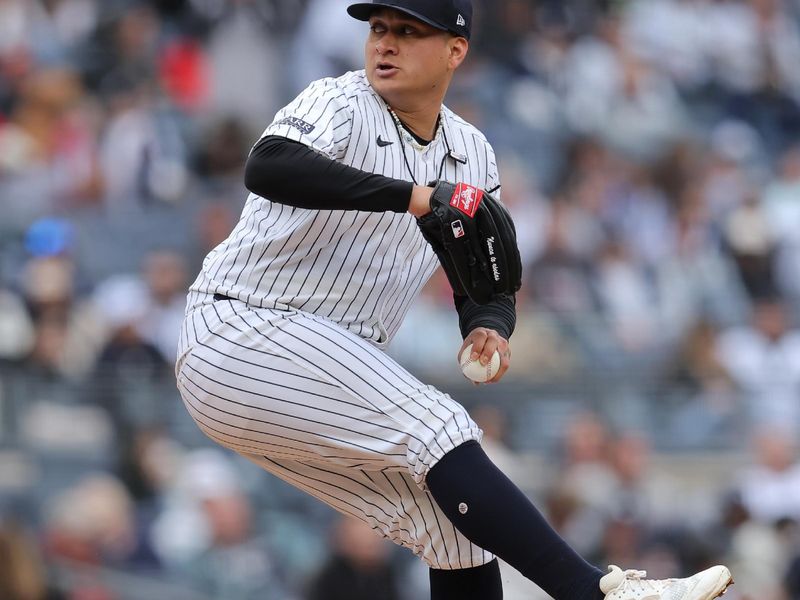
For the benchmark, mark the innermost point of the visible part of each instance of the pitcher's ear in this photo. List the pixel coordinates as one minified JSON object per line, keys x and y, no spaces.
{"x":459,"y":47}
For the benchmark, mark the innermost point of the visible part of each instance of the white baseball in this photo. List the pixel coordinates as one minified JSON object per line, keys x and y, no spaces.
{"x":474,"y":370}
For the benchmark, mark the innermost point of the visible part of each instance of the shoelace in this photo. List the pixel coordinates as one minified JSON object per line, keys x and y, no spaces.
{"x":634,"y":574}
{"x":640,"y":583}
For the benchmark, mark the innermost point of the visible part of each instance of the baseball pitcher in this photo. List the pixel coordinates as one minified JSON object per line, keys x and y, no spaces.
{"x":361,"y":188}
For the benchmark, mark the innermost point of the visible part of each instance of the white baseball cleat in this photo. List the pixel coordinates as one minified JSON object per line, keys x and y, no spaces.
{"x":632,"y":585}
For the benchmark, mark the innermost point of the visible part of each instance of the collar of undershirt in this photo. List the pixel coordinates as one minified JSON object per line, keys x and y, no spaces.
{"x":420,"y":140}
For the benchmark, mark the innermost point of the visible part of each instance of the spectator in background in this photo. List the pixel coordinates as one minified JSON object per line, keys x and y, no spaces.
{"x":359,"y":568}
{"x":149,"y":461}
{"x":558,"y":279}
{"x":148,"y":307}
{"x":781,"y":202}
{"x":129,"y":367}
{"x":730,"y":169}
{"x":48,"y":31}
{"x":770,"y":488}
{"x":242,"y":35}
{"x":672,"y":36}
{"x":642,"y":511}
{"x":695,"y":280}
{"x":763,"y":359}
{"x":710,"y":406}
{"x":754,"y":548}
{"x":755,"y":47}
{"x":642,"y":493}
{"x":585,"y":480}
{"x":320,"y":50}
{"x":607,"y":497}
{"x":48,"y":149}
{"x":758,"y":552}
{"x":581,"y":482}
{"x":68,"y":335}
{"x":94,"y":523}
{"x":143,"y":155}
{"x":782,"y":196}
{"x":752,"y":245}
{"x":22,"y":572}
{"x":237,"y":564}
{"x":142,"y":152}
{"x":166,"y":277}
{"x":131,"y":39}
{"x":623,"y":539}
{"x":612,"y":94}
{"x":207,"y":532}
{"x":626,"y":298}
{"x":640,"y":213}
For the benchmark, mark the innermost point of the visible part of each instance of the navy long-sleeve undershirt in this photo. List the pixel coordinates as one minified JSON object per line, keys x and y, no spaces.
{"x":288,"y":172}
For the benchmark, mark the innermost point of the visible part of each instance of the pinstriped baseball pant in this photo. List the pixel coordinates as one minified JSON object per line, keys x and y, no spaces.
{"x":326,"y":411}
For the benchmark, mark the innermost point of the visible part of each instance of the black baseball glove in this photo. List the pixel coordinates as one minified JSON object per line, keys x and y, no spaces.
{"x":475,"y":240}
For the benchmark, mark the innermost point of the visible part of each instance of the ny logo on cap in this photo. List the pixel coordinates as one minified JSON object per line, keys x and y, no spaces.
{"x":460,"y":21}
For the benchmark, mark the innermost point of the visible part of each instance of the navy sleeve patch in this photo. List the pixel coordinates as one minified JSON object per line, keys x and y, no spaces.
{"x":298,"y":124}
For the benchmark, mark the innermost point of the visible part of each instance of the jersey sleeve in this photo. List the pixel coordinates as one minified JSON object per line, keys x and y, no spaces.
{"x":320,"y":118}
{"x":492,"y":173}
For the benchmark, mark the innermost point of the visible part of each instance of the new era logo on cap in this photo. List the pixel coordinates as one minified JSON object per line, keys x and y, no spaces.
{"x":454,"y":16}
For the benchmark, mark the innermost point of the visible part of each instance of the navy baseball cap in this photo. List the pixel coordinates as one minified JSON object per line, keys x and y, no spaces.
{"x":454,"y":16}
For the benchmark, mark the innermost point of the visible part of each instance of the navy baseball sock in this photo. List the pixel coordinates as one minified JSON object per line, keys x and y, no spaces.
{"x":478,"y":583}
{"x":493,"y":513}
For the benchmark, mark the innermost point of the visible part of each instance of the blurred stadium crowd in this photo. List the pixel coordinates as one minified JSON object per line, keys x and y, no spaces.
{"x":650,"y":153}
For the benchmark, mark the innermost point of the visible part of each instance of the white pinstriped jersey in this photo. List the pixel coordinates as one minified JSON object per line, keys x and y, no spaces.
{"x":359,"y":269}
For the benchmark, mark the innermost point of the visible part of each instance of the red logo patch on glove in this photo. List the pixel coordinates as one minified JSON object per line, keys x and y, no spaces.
{"x":467,"y":199}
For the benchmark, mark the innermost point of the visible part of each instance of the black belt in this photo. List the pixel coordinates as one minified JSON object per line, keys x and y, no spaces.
{"x":218,"y":297}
